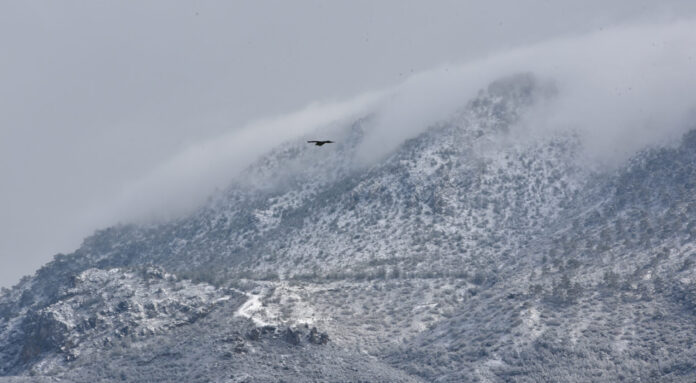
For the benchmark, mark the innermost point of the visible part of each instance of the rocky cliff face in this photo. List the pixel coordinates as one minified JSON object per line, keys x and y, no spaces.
{"x":99,"y":306}
{"x":468,"y":253}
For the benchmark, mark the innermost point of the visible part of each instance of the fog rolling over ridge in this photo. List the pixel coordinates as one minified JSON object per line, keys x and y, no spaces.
{"x":528,"y":216}
{"x":96,"y":122}
{"x":621,"y":90}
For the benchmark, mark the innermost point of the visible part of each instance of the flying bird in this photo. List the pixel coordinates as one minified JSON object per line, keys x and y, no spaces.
{"x":320,"y":143}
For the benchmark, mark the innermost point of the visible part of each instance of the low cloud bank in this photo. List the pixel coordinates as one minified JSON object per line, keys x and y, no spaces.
{"x":620,"y":89}
{"x":185,"y":181}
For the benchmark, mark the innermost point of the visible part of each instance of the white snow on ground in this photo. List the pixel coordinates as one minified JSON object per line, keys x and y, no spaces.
{"x":107,"y":304}
{"x":577,"y":329}
{"x":253,"y":309}
{"x":531,"y":327}
{"x":277,"y":303}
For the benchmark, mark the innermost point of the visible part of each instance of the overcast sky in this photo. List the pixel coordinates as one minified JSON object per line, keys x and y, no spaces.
{"x":96,"y":96}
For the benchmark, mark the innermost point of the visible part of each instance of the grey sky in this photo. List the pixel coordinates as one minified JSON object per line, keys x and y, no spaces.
{"x":95,"y":96}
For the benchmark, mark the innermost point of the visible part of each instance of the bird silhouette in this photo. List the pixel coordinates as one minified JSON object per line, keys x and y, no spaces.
{"x":320,"y":143}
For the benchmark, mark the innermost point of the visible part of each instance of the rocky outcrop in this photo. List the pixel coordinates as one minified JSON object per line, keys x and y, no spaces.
{"x":316,"y":337}
{"x":295,"y":336}
{"x":101,"y":305}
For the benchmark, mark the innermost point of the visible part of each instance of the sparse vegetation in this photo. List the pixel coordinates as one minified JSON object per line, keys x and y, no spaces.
{"x":449,"y":261}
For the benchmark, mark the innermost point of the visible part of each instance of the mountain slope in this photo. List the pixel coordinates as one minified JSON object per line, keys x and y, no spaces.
{"x":468,"y":253}
{"x":609,"y":296}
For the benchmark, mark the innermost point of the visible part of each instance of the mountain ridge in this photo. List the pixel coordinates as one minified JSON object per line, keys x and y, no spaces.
{"x":464,"y":255}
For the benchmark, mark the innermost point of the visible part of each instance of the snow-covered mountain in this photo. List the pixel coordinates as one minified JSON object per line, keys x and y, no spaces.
{"x":465,"y":254}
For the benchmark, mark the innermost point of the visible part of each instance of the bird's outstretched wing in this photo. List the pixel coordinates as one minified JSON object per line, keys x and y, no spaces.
{"x":320,"y":143}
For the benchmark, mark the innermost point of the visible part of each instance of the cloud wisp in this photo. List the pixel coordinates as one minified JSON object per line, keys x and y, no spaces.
{"x":620,"y":89}
{"x":186,"y":180}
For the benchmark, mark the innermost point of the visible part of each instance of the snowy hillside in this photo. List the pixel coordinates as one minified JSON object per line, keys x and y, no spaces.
{"x":468,"y":253}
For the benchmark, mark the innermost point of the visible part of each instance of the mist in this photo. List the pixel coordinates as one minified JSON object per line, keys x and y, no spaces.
{"x":620,"y":90}
{"x":120,"y":113}
{"x":181,"y":184}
